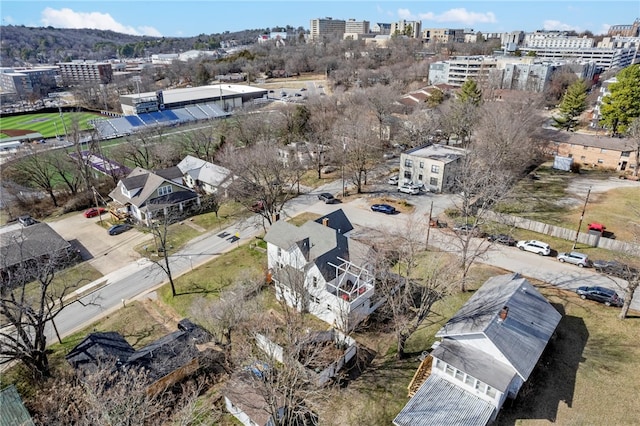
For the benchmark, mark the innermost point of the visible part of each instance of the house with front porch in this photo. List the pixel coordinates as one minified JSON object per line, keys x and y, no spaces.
{"x":145,"y":195}
{"x":317,"y":268}
{"x":487,"y":351}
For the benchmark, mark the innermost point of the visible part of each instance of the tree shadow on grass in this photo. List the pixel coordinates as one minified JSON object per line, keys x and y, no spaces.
{"x":554,"y":378}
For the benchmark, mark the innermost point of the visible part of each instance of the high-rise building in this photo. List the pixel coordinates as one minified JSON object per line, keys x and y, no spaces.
{"x":443,"y":35}
{"x":356,"y":27}
{"x":82,"y":72}
{"x":27,"y":81}
{"x":326,"y":27}
{"x":411,"y":29}
{"x":555,"y":39}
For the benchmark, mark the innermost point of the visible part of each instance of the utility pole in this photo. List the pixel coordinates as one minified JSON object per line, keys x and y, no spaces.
{"x":575,"y":241}
{"x":95,"y":200}
{"x":426,"y":246}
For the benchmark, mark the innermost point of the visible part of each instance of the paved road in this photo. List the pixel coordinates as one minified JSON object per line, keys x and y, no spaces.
{"x":139,"y":277}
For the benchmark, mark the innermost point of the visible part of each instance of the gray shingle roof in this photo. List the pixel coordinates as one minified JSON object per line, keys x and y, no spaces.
{"x":31,"y":242}
{"x":100,"y":347}
{"x":523,"y":335}
{"x":338,"y":221}
{"x":439,"y":403}
{"x":145,"y":184}
{"x":476,"y":363}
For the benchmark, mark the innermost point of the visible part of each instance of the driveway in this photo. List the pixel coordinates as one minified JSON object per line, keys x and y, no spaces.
{"x":107,"y":253}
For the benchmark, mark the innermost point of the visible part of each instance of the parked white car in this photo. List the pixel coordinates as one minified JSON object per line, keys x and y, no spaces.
{"x":393,"y":180}
{"x":408,"y":188}
{"x":535,"y":246}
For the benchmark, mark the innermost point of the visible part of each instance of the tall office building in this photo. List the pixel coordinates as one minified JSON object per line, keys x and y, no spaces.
{"x":81,"y":72}
{"x":326,"y":27}
{"x":356,"y":27}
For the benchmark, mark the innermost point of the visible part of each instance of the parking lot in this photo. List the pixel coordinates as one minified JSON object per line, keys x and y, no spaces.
{"x":106,"y":253}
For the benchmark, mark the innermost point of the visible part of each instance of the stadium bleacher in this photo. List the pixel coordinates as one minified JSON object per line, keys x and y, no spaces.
{"x":133,"y":120}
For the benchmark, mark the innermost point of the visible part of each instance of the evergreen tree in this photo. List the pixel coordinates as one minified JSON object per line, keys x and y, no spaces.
{"x":623,"y":104}
{"x":573,"y":103}
{"x":470,"y":93}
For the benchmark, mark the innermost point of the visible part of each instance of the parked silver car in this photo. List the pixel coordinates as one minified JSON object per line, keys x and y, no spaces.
{"x":580,"y":259}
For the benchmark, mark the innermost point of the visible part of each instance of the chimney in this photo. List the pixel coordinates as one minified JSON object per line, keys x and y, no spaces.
{"x":503,"y":313}
{"x":325,"y":221}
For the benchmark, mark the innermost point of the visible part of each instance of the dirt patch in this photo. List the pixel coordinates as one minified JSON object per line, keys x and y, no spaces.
{"x":12,"y":133}
{"x":580,"y":186}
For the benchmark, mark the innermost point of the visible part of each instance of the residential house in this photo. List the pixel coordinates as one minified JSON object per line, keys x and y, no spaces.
{"x":37,"y":242}
{"x":487,"y":351}
{"x":246,"y":399}
{"x":593,"y":150}
{"x":321,"y":354}
{"x":317,"y":268}
{"x":204,"y":176}
{"x":165,"y":361}
{"x":144,"y":195}
{"x":433,"y":165}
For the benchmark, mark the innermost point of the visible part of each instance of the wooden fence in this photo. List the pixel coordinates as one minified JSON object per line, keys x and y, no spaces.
{"x":593,"y":240}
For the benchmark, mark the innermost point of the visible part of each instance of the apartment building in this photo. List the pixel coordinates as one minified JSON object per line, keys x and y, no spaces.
{"x":356,"y":27}
{"x":555,"y":39}
{"x":27,"y":81}
{"x":460,"y":69}
{"x":632,"y":30}
{"x":381,"y":28}
{"x":82,"y":72}
{"x":433,"y":165}
{"x":511,"y":73}
{"x":443,"y":35}
{"x":604,"y":91}
{"x":326,"y":27}
{"x":409,"y":28}
{"x":605,"y":58}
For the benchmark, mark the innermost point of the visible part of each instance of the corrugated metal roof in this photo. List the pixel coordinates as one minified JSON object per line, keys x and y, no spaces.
{"x":12,"y":410}
{"x":523,"y":335}
{"x":439,"y":402}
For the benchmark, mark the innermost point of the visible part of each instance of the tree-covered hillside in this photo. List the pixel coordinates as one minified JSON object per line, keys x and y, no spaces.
{"x":47,"y":45}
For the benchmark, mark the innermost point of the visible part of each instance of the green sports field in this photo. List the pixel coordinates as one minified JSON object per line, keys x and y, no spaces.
{"x":44,"y":123}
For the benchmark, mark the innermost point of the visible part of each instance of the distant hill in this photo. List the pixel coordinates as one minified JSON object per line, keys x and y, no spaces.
{"x":22,"y":45}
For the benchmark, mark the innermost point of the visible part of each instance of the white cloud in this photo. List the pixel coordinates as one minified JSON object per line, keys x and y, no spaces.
{"x":458,"y":15}
{"x":67,"y":18}
{"x":7,"y":20}
{"x":551,"y":25}
{"x":604,"y":29}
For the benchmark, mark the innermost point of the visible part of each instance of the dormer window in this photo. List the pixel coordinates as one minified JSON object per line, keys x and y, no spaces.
{"x":164,"y":190}
{"x":125,"y":191}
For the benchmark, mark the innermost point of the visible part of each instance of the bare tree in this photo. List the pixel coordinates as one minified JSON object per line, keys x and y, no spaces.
{"x":30,"y":301}
{"x":501,"y":152}
{"x":34,"y":170}
{"x":411,"y":280}
{"x":633,"y":131}
{"x":261,"y":181}
{"x":203,"y":142}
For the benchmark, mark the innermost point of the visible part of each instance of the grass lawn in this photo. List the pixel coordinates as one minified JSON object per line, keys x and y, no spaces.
{"x":210,"y":278}
{"x":46,"y":123}
{"x":71,"y":278}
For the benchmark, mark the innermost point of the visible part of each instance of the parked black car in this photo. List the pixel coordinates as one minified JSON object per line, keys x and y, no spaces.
{"x":505,"y":239}
{"x":600,"y":294}
{"x":118,"y":229}
{"x":327,"y":198}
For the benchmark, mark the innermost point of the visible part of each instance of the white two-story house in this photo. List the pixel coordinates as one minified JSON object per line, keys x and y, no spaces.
{"x":488,"y":350}
{"x":204,"y":176}
{"x":317,"y":268}
{"x":433,"y":165}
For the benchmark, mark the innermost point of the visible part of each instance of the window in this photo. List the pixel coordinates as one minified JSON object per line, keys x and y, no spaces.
{"x":625,"y":153}
{"x":164,"y":190}
{"x":602,"y":150}
{"x":433,"y":181}
{"x":407,"y":174}
{"x":315,"y":299}
{"x":600,"y":161}
{"x":439,"y":365}
{"x":459,"y":375}
{"x":491,"y":392}
{"x":570,"y":155}
{"x":469,"y":380}
{"x":422,"y":164}
{"x":408,"y":163}
{"x":450,"y":370}
{"x":481,"y":386}
{"x":435,"y":169}
{"x":329,"y":307}
{"x":279,"y":252}
{"x":315,"y":282}
{"x":420,"y":178}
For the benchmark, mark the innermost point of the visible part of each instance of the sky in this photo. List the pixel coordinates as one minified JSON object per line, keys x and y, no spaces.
{"x":185,"y":18}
